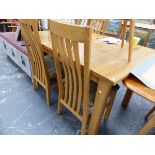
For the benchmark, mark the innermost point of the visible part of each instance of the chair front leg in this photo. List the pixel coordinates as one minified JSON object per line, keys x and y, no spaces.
{"x":48,"y":98}
{"x":83,"y":127}
{"x":35,"y":84}
{"x":127,"y":98}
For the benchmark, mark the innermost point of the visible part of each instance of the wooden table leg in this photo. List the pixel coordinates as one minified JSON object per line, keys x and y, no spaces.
{"x":124,"y":31}
{"x":131,"y":35}
{"x":102,"y":94}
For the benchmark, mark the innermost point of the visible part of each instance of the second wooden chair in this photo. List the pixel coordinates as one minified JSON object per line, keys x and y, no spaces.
{"x":43,"y":68}
{"x":98,"y":26}
{"x":135,"y":85}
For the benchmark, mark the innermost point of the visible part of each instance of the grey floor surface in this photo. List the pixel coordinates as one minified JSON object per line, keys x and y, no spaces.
{"x":23,"y":111}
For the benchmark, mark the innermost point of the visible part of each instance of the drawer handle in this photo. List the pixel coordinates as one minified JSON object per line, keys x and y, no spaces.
{"x":23,"y":61}
{"x":12,"y":52}
{"x":4,"y":45}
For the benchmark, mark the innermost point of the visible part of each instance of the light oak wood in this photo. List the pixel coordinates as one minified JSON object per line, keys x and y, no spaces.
{"x":88,"y":22}
{"x":102,"y":94}
{"x":131,"y":35}
{"x":31,"y":37}
{"x":127,"y":98}
{"x":98,"y":26}
{"x":124,"y":32}
{"x":111,"y":101}
{"x":119,"y":33}
{"x":74,"y":93}
{"x":148,"y":126}
{"x":115,"y":66}
{"x":109,"y":65}
{"x":78,"y":21}
{"x":136,"y":86}
{"x":150,"y":112}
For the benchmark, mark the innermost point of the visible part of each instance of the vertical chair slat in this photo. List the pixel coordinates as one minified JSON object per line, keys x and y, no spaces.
{"x":69,"y":72}
{"x":78,"y":69}
{"x":64,"y":54}
{"x":60,"y":49}
{"x":57,"y":64}
{"x":94,"y":25}
{"x":100,"y":29}
{"x":73,"y":71}
{"x":99,"y":25}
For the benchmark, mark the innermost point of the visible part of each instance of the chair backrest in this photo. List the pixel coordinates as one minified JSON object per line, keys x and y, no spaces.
{"x":78,"y":21}
{"x":30,"y":33}
{"x":99,"y":26}
{"x":66,"y":39}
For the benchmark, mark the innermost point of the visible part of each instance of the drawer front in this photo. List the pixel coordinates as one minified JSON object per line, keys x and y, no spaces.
{"x":23,"y":62}
{"x":13,"y":53}
{"x":18,"y":57}
{"x":5,"y":47}
{"x":1,"y":41}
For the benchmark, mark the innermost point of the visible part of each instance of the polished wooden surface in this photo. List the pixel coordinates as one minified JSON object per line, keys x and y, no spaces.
{"x":134,"y":85}
{"x":74,"y":89}
{"x":108,"y":61}
{"x":131,"y":36}
{"x":30,"y":33}
{"x":138,"y":87}
{"x":98,"y":26}
{"x":148,"y":126}
{"x":109,"y":65}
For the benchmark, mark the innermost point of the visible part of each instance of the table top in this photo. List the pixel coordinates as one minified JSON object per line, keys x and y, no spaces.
{"x":108,"y":61}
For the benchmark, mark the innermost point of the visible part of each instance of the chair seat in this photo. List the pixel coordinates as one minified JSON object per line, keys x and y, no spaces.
{"x":50,"y":65}
{"x":138,"y":87}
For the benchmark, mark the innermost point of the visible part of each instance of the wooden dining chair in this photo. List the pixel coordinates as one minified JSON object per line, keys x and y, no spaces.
{"x":78,"y":21}
{"x":136,"y":86}
{"x":148,"y":126}
{"x":74,"y":92}
{"x":43,"y":68}
{"x":99,"y":26}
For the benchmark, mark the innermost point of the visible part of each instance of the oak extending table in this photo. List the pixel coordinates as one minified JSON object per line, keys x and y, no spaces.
{"x":109,"y":66}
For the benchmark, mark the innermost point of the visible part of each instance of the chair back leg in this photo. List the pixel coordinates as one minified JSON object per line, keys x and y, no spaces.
{"x":127,"y":98}
{"x":150,"y":112}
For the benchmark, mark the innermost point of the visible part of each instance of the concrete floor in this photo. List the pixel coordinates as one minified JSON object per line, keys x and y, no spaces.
{"x":24,"y":111}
